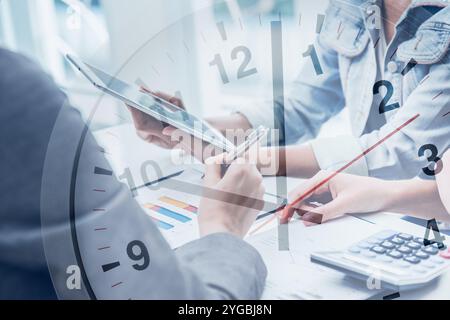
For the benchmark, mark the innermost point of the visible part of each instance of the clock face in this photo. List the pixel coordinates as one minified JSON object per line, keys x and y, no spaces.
{"x":96,"y":238}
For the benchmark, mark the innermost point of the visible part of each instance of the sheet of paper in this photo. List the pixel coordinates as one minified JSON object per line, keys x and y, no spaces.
{"x":291,"y":274}
{"x":173,"y":204}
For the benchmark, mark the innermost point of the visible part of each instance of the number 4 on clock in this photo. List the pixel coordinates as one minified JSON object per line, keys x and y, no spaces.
{"x":438,"y":238}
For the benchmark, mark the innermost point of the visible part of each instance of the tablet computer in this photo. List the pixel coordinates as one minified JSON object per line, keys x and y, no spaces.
{"x":152,"y":105}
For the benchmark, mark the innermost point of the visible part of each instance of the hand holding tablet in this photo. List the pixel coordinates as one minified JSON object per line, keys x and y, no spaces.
{"x":145,"y":101}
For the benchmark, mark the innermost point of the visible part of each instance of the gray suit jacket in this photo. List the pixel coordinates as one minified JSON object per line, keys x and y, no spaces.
{"x":219,"y":266}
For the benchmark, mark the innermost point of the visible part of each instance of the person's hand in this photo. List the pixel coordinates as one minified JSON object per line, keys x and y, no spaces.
{"x":151,"y":129}
{"x":443,"y":180}
{"x":266,"y":159}
{"x":166,"y":136}
{"x":347,"y":194}
{"x":230,"y":204}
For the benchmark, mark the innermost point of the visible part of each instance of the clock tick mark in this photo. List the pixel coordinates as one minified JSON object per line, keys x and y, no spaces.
{"x":425,"y":79}
{"x":120,"y":116}
{"x":156,"y":71}
{"x":102,"y":171}
{"x":104,"y":248}
{"x":100,"y":229}
{"x":116,"y":284}
{"x":222,"y":31}
{"x":376,"y":42}
{"x":411,"y":64}
{"x":170,"y":57}
{"x":102,"y":150}
{"x":357,"y":35}
{"x":186,"y":47}
{"x":438,"y":95}
{"x":392,"y":296}
{"x":418,"y":42}
{"x":340,"y":33}
{"x":203,"y":37}
{"x":109,"y":266}
{"x":393,"y":54}
{"x":319,"y":24}
{"x":112,"y":135}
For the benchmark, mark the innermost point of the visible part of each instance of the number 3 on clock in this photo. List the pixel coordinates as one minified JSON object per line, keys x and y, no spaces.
{"x":433,"y":159}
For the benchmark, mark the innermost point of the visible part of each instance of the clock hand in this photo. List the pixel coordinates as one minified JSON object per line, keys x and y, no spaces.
{"x":276,"y":34}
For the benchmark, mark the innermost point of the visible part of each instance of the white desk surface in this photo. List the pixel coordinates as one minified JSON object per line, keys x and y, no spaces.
{"x":130,"y":151}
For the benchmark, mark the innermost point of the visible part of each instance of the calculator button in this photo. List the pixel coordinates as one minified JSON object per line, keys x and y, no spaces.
{"x":388,"y":245}
{"x":378,"y":249}
{"x":385,"y":259}
{"x":383,"y":235}
{"x":373,"y":240}
{"x":413,"y":245}
{"x":421,"y":255}
{"x":419,"y":269}
{"x":368,"y":254}
{"x":397,"y":240}
{"x":405,"y":236}
{"x":364,"y":245}
{"x":430,"y":250}
{"x":354,"y":249}
{"x":419,"y":240}
{"x":428,"y":264}
{"x":404,"y":250}
{"x":439,"y":246}
{"x":437,"y":260}
{"x":395,"y":254}
{"x":445,"y":254}
{"x":402,"y":264}
{"x":412,"y":260}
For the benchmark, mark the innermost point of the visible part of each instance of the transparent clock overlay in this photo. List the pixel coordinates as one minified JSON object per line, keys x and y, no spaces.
{"x":90,"y":223}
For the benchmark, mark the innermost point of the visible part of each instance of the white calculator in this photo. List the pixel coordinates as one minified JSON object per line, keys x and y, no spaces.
{"x":399,"y":261}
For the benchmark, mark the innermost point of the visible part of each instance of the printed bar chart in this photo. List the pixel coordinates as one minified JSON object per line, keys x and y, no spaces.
{"x":179,"y":204}
{"x":168,"y":213}
{"x":162,"y":224}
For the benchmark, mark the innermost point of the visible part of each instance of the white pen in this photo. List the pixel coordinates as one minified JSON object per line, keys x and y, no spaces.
{"x":253,"y":138}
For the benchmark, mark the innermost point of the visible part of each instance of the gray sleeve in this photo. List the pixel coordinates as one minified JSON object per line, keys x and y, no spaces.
{"x":41,"y":140}
{"x":218,"y":266}
{"x":223,"y":254}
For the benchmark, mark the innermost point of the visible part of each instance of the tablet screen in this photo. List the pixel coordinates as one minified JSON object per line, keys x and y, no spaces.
{"x":167,"y":111}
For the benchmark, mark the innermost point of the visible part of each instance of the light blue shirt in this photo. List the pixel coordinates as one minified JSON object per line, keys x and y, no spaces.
{"x":346,"y":49}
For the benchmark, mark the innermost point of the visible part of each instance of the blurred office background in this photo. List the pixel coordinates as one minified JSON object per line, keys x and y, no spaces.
{"x":108,"y":32}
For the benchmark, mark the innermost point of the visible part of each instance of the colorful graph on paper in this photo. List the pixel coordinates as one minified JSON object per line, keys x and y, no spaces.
{"x":168,"y":212}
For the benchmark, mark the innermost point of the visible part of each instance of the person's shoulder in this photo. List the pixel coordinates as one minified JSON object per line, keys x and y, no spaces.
{"x":17,"y":70}
{"x":350,"y":4}
{"x":431,"y":41}
{"x":17,"y":62}
{"x":22,"y":79}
